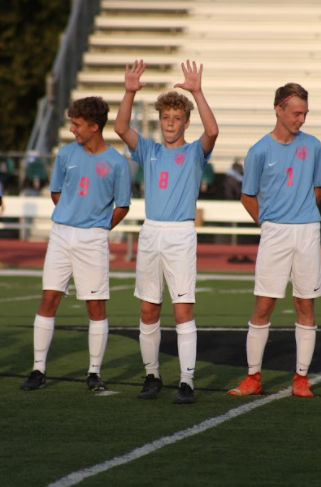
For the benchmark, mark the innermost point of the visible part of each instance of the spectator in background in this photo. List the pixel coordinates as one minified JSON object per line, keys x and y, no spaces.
{"x":233,"y":181}
{"x":232,"y":191}
{"x":8,"y":177}
{"x":207,"y":182}
{"x":138,"y":186}
{"x":36,"y":175}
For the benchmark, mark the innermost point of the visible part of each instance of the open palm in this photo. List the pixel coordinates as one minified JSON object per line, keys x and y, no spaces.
{"x":193,"y":77}
{"x":132,"y":76}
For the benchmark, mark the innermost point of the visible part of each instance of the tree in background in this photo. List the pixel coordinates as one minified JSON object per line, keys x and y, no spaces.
{"x":29,"y":40}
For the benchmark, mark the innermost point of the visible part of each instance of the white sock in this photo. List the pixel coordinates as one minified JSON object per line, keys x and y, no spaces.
{"x":42,"y":336}
{"x":186,"y":344}
{"x":97,"y":340}
{"x":255,"y":344}
{"x":149,"y":340}
{"x":305,"y":337}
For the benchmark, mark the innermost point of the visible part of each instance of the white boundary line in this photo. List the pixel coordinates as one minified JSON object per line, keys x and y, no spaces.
{"x":76,"y":477}
{"x":126,"y":275}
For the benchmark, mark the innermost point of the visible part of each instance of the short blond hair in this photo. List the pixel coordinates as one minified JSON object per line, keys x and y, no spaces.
{"x":174,"y":100}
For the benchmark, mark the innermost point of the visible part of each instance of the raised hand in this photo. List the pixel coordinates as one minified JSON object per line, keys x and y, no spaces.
{"x":193,"y":77}
{"x":132,"y":76}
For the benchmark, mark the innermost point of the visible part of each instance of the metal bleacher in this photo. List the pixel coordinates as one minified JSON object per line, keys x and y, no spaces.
{"x":248,"y":49}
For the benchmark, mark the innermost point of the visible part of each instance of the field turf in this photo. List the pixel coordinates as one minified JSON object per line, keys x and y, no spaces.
{"x":66,"y":435}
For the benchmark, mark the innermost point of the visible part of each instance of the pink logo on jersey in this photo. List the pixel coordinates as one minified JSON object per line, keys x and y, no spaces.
{"x":302,"y":152}
{"x":180,"y":158}
{"x":102,"y":168}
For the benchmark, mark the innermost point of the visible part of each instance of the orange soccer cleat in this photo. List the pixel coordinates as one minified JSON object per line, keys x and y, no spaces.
{"x":301,"y":386}
{"x":250,"y":386}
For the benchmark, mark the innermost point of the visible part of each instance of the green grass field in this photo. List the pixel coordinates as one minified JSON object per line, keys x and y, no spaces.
{"x":93,"y":439}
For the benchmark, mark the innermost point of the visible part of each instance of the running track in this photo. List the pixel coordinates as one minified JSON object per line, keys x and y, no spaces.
{"x":210,"y":257}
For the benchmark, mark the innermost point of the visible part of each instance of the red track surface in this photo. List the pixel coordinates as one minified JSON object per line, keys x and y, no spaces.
{"x":210,"y":257}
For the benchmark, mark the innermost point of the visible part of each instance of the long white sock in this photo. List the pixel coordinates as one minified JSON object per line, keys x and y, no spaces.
{"x":97,"y":340}
{"x":149,"y":340}
{"x":255,"y":344}
{"x":42,"y":336}
{"x":305,"y":337}
{"x":186,"y":344}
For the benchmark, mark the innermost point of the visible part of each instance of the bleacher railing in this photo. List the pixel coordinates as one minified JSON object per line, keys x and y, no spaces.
{"x":61,"y":80}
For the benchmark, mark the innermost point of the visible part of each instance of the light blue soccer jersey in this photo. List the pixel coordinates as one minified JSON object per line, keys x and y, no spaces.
{"x":0,"y":189}
{"x":90,"y":185}
{"x":283,"y":177}
{"x":171,"y":178}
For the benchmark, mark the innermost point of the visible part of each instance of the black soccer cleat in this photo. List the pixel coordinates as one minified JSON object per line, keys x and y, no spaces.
{"x":95,"y":383}
{"x":35,"y":380}
{"x":152,"y":386}
{"x":185,"y":395}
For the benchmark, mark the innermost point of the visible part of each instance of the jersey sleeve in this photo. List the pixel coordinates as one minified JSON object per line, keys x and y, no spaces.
{"x":317,"y":168}
{"x":253,"y":165}
{"x":142,"y":150}
{"x":204,"y":160}
{"x":122,"y":185}
{"x":58,"y":175}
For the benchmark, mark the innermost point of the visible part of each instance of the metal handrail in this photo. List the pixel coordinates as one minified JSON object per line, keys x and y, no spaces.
{"x":61,"y":80}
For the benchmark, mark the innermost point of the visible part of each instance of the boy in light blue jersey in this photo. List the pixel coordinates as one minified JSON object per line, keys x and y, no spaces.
{"x":281,"y":190}
{"x":89,"y":177}
{"x":167,"y":240}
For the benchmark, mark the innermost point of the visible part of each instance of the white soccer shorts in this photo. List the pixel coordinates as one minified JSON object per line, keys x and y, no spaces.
{"x":82,"y":253}
{"x":288,"y":251}
{"x":166,"y":250}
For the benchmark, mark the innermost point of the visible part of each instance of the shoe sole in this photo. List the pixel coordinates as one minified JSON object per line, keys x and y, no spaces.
{"x":151,"y":394}
{"x":31,"y":388}
{"x":97,"y":388}
{"x":300,"y":394}
{"x":237,"y":392}
{"x":180,"y":400}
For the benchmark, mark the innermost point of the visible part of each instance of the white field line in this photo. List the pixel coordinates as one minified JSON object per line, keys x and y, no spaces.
{"x":124,"y":287}
{"x":78,"y":476}
{"x":38,"y":296}
{"x":126,"y":275}
{"x":21,"y":298}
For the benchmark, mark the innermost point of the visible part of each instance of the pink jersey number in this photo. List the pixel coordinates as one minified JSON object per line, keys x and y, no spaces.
{"x":163,"y":180}
{"x":84,"y":184}
{"x":289,"y":170}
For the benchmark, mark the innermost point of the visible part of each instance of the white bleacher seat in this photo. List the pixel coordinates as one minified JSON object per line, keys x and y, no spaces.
{"x":147,"y":6}
{"x":139,"y":23}
{"x":248,"y":48}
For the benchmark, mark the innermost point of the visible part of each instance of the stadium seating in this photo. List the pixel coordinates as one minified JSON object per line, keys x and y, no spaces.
{"x":248,"y":50}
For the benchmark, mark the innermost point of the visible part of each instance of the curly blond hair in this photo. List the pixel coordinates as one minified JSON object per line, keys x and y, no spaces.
{"x":174,"y":100}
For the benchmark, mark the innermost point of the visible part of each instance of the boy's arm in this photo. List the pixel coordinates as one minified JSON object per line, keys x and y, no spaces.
{"x":251,"y":205}
{"x":55,"y":197}
{"x":132,"y":85}
{"x":317,"y":192}
{"x":119,"y":214}
{"x":192,"y":83}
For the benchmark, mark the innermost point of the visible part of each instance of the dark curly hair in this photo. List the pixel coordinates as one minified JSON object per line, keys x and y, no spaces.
{"x":93,"y":109}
